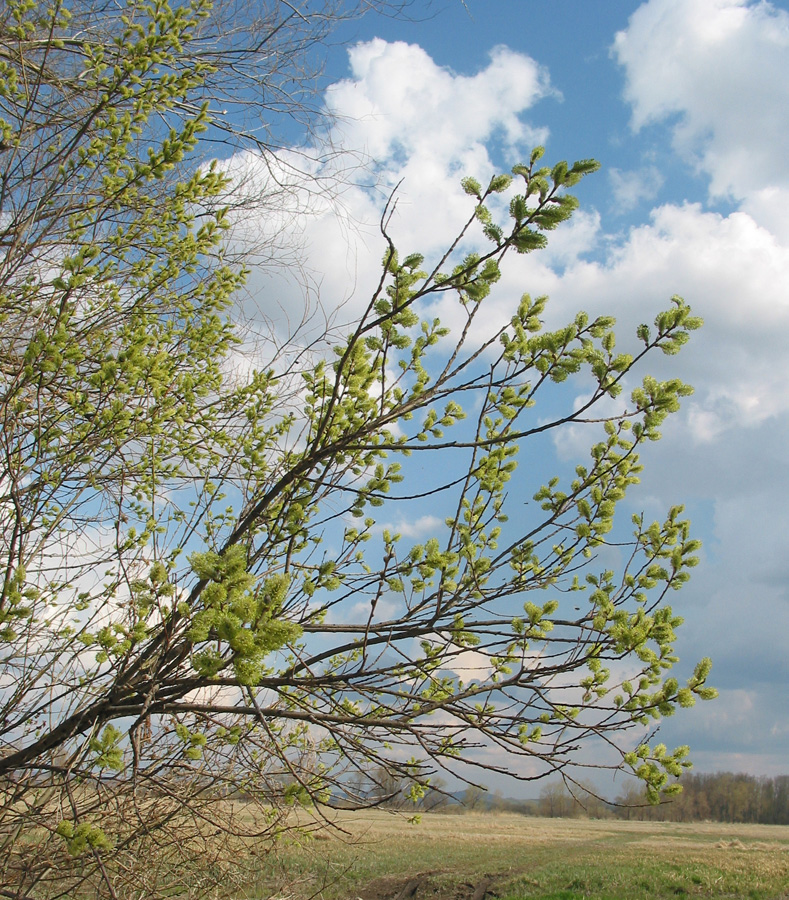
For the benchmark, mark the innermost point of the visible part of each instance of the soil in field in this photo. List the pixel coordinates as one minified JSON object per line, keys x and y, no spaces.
{"x":429,"y":886}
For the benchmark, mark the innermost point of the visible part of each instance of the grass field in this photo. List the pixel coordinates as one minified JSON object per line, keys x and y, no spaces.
{"x":380,"y":856}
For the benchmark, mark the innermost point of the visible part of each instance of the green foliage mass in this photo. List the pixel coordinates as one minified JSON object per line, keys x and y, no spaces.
{"x":197,"y":599}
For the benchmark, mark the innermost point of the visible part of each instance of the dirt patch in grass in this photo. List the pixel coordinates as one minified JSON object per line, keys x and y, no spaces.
{"x":430,"y":886}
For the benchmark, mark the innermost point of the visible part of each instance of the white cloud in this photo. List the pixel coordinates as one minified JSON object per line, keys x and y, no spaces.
{"x":417,"y":127}
{"x":733,"y":273}
{"x":399,"y":102}
{"x":718,"y":70}
{"x":768,"y":207}
{"x":426,"y":525}
{"x":470,"y":665}
{"x":383,"y":610}
{"x":632,"y":187}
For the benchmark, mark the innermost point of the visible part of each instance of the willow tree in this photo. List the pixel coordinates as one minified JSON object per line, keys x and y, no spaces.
{"x":200,"y":602}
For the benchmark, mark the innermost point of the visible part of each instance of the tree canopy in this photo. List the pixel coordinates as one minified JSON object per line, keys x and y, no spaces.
{"x":201,"y":597}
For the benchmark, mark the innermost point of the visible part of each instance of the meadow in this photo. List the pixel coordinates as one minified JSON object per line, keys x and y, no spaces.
{"x":379,"y":855}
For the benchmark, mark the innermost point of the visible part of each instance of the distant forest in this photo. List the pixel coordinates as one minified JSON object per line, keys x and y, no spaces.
{"x":718,"y":797}
{"x":722,"y":797}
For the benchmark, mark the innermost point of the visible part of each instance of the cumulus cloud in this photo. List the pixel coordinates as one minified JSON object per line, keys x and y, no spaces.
{"x":718,"y":71}
{"x":406,"y":126}
{"x":419,"y":527}
{"x":734,"y":274}
{"x":399,"y":101}
{"x":470,"y":665}
{"x":629,"y":188}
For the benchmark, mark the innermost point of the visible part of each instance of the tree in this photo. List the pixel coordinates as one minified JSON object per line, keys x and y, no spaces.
{"x":202,"y":621}
{"x":474,"y":798}
{"x":556,"y":801}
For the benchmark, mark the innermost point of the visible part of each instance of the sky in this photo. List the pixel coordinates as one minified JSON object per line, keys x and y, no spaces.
{"x":685,"y":103}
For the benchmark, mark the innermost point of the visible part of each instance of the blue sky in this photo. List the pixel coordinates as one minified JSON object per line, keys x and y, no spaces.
{"x":686,"y":105}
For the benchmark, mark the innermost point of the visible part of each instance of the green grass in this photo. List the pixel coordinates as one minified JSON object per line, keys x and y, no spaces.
{"x":529,"y":859}
{"x":675,"y":861}
{"x":622,"y":876}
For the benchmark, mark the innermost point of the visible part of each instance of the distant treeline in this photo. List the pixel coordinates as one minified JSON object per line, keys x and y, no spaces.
{"x":718,"y":797}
